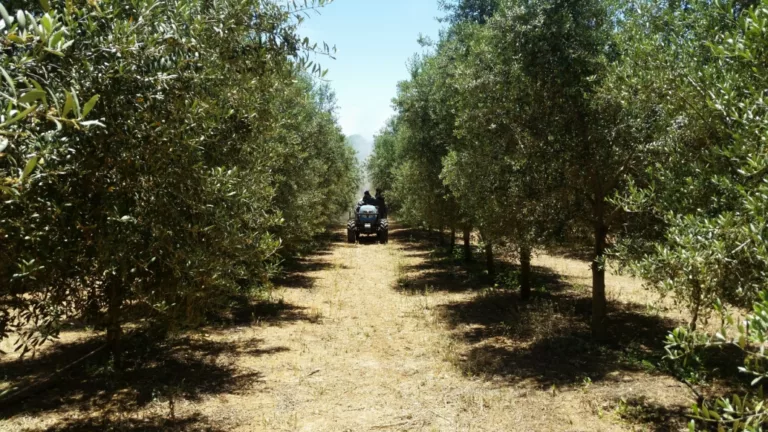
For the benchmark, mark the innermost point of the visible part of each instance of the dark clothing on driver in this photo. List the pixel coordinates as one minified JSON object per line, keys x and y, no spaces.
{"x":367,"y":200}
{"x":382,"y":205}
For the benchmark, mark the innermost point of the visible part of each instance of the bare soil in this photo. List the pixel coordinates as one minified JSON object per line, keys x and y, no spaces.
{"x":371,"y":337}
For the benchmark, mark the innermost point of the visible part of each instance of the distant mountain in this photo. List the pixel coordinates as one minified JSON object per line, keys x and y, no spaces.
{"x":362,"y":145}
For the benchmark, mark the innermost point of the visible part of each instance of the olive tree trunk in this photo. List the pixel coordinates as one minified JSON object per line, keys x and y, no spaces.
{"x":453,"y":240}
{"x":489,"y":259}
{"x":525,"y":272}
{"x":696,"y":306}
{"x":467,"y":244}
{"x":599,"y":307}
{"x":114,"y":317}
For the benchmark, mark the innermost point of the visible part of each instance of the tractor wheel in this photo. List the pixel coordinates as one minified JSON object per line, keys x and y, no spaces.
{"x":350,"y":236}
{"x":383,"y":237}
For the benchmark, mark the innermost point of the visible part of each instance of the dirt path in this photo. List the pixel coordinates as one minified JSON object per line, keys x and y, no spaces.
{"x":374,"y":337}
{"x":371,"y":356}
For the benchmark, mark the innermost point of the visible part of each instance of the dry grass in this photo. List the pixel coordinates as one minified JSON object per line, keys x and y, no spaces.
{"x":386,"y":337}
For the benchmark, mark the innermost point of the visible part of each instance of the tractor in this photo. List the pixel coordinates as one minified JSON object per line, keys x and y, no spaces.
{"x":367,"y":221}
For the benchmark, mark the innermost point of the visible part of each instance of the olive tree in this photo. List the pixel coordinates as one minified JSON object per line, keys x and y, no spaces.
{"x":706,"y":197}
{"x":542,"y":66}
{"x":703,"y":195}
{"x":425,"y":132}
{"x":143,"y":148}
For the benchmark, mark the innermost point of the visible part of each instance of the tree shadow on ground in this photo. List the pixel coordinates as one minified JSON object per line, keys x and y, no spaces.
{"x":576,"y":251}
{"x":154,"y":369}
{"x":332,"y":235}
{"x":320,"y":245}
{"x":368,"y":240}
{"x":438,"y":271}
{"x":444,"y":271}
{"x":412,"y":239}
{"x":433,"y":275}
{"x":652,"y":416}
{"x":299,"y":273}
{"x":547,"y":339}
{"x":244,"y":311}
{"x":193,"y":423}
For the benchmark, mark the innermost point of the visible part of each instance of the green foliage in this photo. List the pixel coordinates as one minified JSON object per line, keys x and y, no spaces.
{"x":319,"y":176}
{"x":154,"y":154}
{"x":735,"y":413}
{"x":408,"y":153}
{"x":707,"y":193}
{"x":642,"y":121}
{"x":478,"y":11}
{"x":384,"y":159}
{"x":639,"y":118}
{"x":517,"y":115}
{"x":704,"y":196}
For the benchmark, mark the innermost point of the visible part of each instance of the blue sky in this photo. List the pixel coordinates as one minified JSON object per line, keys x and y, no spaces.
{"x":374,"y":40}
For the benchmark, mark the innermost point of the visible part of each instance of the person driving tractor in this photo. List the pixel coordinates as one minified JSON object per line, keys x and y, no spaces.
{"x":367,"y":200}
{"x":369,"y":221}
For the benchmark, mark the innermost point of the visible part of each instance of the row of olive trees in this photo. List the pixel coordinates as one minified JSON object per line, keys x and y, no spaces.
{"x":642,"y":121}
{"x":156,"y":158}
{"x":704,"y":236}
{"x":497,"y":129}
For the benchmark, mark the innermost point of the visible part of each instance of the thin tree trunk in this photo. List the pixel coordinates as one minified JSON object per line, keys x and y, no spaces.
{"x":92,"y":306}
{"x":453,"y":240}
{"x":489,"y":259}
{"x":525,"y":272}
{"x":599,"y":313}
{"x":467,"y":244}
{"x":114,"y":329}
{"x":441,"y":233}
{"x":696,"y":305}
